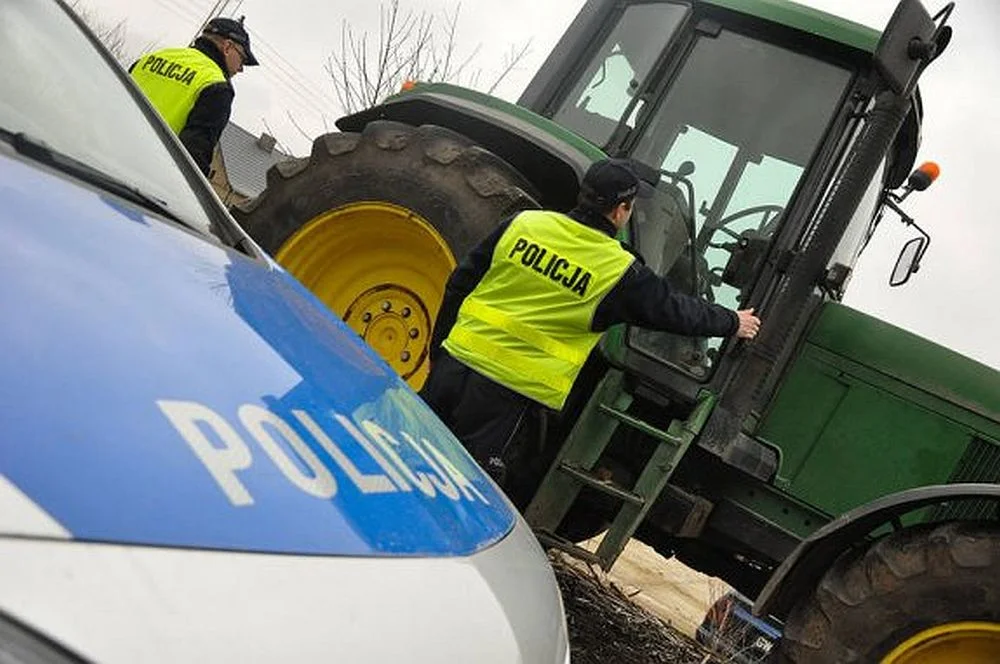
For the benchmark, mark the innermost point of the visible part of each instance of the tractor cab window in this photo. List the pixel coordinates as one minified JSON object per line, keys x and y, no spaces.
{"x":732,"y":137}
{"x":618,"y":69}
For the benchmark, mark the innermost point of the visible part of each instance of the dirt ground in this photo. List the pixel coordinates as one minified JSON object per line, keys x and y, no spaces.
{"x":645,"y":610}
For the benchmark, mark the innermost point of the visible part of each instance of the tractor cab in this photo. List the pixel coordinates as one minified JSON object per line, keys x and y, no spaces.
{"x":741,"y":124}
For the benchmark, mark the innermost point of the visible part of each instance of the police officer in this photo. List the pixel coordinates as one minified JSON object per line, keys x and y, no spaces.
{"x":524,"y":309}
{"x":191,"y":87}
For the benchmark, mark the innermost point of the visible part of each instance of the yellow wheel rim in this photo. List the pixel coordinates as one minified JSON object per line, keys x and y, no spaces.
{"x":954,"y":643}
{"x":380,"y":267}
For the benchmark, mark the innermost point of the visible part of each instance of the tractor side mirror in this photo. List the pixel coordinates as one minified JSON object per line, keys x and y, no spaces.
{"x":913,"y":251}
{"x":908,"y":262}
{"x":908,"y":44}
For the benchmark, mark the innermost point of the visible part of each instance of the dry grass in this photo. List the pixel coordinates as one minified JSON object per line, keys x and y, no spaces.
{"x":605,"y":625}
{"x":646,"y":609}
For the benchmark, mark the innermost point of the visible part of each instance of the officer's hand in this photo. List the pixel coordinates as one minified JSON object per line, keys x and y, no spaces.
{"x":749,"y":324}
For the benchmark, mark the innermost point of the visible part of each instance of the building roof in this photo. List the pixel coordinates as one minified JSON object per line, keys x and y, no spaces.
{"x":247,"y":158}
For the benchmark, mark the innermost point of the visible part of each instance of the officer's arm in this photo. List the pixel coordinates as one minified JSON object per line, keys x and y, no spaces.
{"x":644,"y":299}
{"x":463,"y":281}
{"x":208,"y":117}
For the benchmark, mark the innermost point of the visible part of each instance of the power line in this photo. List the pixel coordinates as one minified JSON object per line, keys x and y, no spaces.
{"x":296,"y":88}
{"x":281,"y":64}
{"x":294,"y":78}
{"x":196,"y":7}
{"x":300,"y":97}
{"x":178,"y":10}
{"x":289,"y":81}
{"x":276,"y":69}
{"x":212,"y":13}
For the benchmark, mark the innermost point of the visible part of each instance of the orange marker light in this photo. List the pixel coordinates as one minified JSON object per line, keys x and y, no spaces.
{"x":931,"y":169}
{"x":924,"y":176}
{"x":408,"y":85}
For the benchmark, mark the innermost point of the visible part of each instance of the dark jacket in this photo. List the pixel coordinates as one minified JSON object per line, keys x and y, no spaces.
{"x":641,"y":297}
{"x":210,"y":112}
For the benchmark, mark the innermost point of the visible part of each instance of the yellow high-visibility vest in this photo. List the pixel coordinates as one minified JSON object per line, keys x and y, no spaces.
{"x":172,"y":79}
{"x":526,"y":325}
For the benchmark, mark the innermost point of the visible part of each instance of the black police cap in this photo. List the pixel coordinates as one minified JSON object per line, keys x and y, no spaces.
{"x":609,"y":182}
{"x":233,"y":30}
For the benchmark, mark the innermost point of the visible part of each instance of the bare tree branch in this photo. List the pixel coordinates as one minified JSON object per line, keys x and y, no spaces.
{"x":278,"y":144}
{"x":298,"y":128}
{"x":513,"y":57}
{"x":449,"y":47}
{"x":465,"y":63}
{"x":410,"y":46}
{"x":114,"y":36}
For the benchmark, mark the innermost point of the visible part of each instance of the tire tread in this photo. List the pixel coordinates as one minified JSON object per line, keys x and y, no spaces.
{"x":871,"y":600}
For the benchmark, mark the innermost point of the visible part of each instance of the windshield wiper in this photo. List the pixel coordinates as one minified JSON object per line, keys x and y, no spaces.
{"x":40,"y":151}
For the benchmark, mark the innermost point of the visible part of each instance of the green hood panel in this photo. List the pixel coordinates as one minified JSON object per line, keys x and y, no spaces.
{"x":519,"y":113}
{"x":909,"y":358}
{"x":867,"y":409}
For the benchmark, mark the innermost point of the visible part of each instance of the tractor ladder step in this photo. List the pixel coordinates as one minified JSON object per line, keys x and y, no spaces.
{"x":636,"y":423}
{"x":572,"y":470}
{"x":551,"y":540}
{"x":604,"y":486}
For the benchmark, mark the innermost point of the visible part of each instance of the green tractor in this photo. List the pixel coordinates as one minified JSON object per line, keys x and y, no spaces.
{"x":840,"y":470}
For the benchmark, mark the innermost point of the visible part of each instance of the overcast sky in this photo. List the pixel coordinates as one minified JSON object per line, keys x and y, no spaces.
{"x":952,"y":300}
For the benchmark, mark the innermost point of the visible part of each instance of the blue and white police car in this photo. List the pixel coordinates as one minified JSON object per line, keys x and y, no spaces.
{"x":198,"y":462}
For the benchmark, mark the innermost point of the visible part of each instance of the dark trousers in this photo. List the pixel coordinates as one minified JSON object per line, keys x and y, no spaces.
{"x":482,"y":414}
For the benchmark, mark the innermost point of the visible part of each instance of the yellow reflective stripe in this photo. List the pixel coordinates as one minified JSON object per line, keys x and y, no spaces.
{"x":524,"y":367}
{"x":527,"y":334}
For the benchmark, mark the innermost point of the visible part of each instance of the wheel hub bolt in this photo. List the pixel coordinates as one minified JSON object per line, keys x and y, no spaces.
{"x":366,"y":318}
{"x":387,"y":306}
{"x":405,"y":356}
{"x":406,"y":312}
{"x":414,"y":333}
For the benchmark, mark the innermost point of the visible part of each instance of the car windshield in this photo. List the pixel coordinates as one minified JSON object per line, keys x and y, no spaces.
{"x":58,"y":89}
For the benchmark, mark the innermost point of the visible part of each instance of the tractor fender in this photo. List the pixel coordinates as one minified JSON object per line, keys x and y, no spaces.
{"x":550,"y":157}
{"x":804,"y":567}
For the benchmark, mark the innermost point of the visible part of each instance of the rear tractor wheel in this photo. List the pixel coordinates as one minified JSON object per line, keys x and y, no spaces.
{"x":927,"y":595}
{"x":374,"y":222}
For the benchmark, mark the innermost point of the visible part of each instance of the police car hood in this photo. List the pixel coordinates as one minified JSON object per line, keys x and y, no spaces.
{"x":159,"y":389}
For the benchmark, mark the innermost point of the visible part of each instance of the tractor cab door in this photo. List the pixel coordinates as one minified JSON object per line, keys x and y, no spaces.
{"x":730,"y":124}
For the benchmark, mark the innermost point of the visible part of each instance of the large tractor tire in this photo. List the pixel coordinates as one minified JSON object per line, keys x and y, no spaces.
{"x":374,"y":222}
{"x":929,"y":594}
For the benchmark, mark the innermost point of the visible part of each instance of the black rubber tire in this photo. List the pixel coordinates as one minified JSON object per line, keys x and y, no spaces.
{"x":870,"y":602}
{"x":460,"y":188}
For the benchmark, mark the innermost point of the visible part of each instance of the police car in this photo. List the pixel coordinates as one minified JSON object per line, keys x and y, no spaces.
{"x":198,"y":462}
